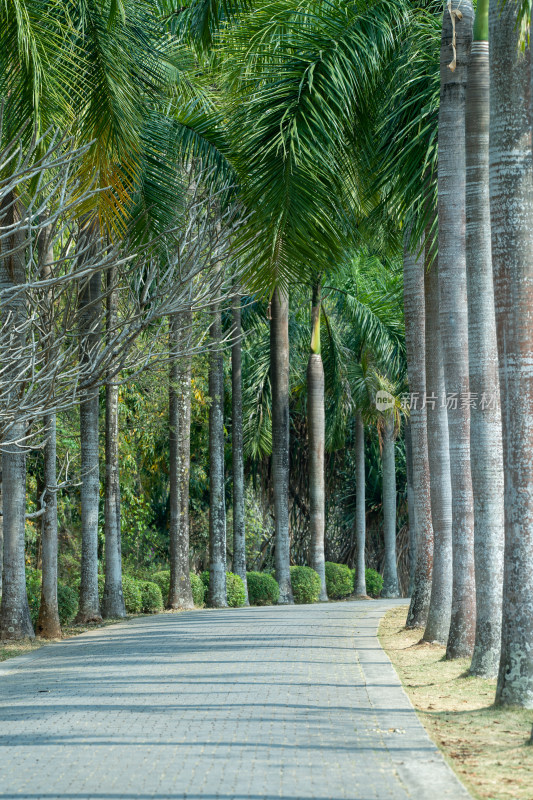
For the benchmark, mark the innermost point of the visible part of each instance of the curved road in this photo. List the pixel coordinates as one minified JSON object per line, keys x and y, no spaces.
{"x":258,"y":703}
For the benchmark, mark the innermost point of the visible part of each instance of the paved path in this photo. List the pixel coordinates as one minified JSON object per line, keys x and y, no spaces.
{"x":260,"y":703}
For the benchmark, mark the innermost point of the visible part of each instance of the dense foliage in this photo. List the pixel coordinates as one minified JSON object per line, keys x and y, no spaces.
{"x":339,"y":580}
{"x":263,"y":589}
{"x":305,"y":585}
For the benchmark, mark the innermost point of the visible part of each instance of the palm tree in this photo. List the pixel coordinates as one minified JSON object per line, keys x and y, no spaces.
{"x":237,"y":453}
{"x":360,"y":506}
{"x":454,"y":322}
{"x":390,"y":572}
{"x":485,"y":420}
{"x":217,"y":506}
{"x":511,"y":207}
{"x":316,"y":428}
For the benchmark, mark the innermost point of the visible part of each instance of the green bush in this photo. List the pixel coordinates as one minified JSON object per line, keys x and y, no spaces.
{"x":152,"y":599}
{"x":339,"y":580}
{"x":132,"y":594}
{"x":235,"y":594}
{"x":263,"y":589}
{"x":33,"y":589}
{"x":162,"y":578}
{"x":67,"y":601}
{"x":374,"y":582}
{"x":198,"y":590}
{"x":305,"y":585}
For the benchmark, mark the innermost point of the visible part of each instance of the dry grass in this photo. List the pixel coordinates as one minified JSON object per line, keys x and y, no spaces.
{"x":486,"y":746}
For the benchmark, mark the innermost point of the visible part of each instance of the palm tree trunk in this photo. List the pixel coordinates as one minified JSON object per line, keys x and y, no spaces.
{"x":410,"y":507}
{"x":440,"y":604}
{"x":454,"y":324}
{"x":360,"y":506}
{"x":279,"y":377}
{"x":217,"y":507}
{"x":511,"y":203}
{"x":48,"y":625}
{"x":89,"y":606}
{"x":316,"y":428}
{"x":113,"y":599}
{"x":414,"y":312}
{"x":1,"y":526}
{"x":180,"y":592}
{"x":237,"y":455}
{"x":485,"y":423}
{"x":15,"y":621}
{"x":390,"y":573}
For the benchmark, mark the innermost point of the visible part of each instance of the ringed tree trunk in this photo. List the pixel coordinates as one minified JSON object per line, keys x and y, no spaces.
{"x":217,"y":507}
{"x":511,"y":204}
{"x":485,"y":420}
{"x":414,"y":312}
{"x":90,"y":305}
{"x":390,"y":572}
{"x":360,"y":506}
{"x":48,"y":624}
{"x":113,"y":600}
{"x":1,"y":527}
{"x":279,"y":377}
{"x":180,"y":592}
{"x":316,"y":428}
{"x":440,"y":604}
{"x":454,"y":324}
{"x":15,"y":620}
{"x":237,"y":455}
{"x":410,"y":507}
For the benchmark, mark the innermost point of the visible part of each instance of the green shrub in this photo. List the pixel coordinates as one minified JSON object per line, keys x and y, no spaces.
{"x":67,"y":601}
{"x":198,"y":590}
{"x":339,"y":580}
{"x":305,"y":585}
{"x":132,"y":595}
{"x":152,"y":599}
{"x":235,"y":594}
{"x":263,"y":589}
{"x":33,"y":589}
{"x":374,"y":582}
{"x":162,"y":578}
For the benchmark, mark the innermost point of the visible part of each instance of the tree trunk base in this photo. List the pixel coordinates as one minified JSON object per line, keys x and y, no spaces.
{"x":48,"y":625}
{"x":87,"y":617}
{"x":180,"y":605}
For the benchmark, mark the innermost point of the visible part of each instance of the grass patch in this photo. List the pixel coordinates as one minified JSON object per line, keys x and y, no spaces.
{"x":486,"y":746}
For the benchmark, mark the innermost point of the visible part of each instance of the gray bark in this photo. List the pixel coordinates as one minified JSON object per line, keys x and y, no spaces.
{"x":410,"y":507}
{"x":15,"y":621}
{"x":454,"y":324}
{"x":360,"y":505}
{"x":113,"y":599}
{"x":390,"y":573}
{"x":180,"y":592}
{"x":89,"y":607}
{"x":511,"y":202}
{"x":486,"y":459}
{"x":1,"y":527}
{"x":48,"y":625}
{"x":217,"y":508}
{"x":316,"y":428}
{"x":237,"y":454}
{"x":279,"y":377}
{"x":440,"y":604}
{"x":414,"y":313}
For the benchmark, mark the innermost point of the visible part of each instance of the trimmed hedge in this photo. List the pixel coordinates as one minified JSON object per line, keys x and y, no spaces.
{"x":263,"y":589}
{"x":152,"y":599}
{"x":162,"y":578}
{"x":305,"y":584}
{"x":339,"y":580}
{"x":374,"y":582}
{"x":67,"y":598}
{"x":198,"y":590}
{"x":235,"y":593}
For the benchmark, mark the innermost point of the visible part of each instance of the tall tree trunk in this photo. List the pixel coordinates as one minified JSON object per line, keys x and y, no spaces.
{"x":410,"y":507}
{"x":180,"y":592}
{"x":15,"y":621}
{"x":511,"y":202}
{"x":390,"y":572}
{"x":48,"y":625}
{"x":113,"y":599}
{"x":485,"y":422}
{"x":217,"y":507}
{"x":440,"y":604}
{"x":1,"y":526}
{"x":414,"y":312}
{"x":279,"y":377}
{"x":360,"y":505}
{"x":316,"y":427}
{"x":90,"y":303}
{"x":454,"y":323}
{"x":237,"y":455}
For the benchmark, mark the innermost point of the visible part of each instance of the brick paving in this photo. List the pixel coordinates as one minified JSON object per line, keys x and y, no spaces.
{"x":251,"y":704}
